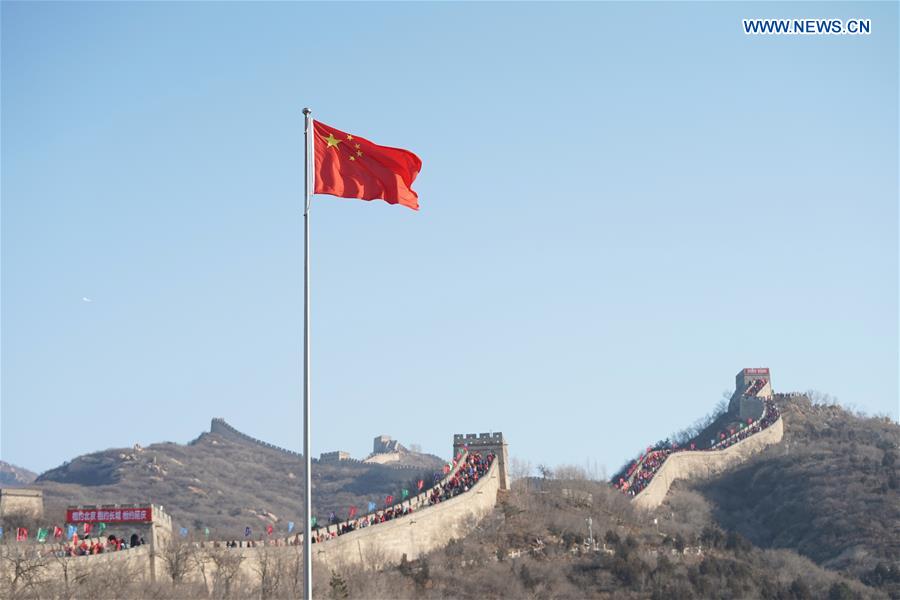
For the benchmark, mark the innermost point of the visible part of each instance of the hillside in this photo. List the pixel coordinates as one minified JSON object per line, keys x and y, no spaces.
{"x":830,"y":491}
{"x":817,"y":516}
{"x":13,"y":476}
{"x":536,"y":545}
{"x":224,"y":482}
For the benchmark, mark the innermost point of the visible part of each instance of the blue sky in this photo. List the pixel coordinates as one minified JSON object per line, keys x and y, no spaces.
{"x":622,"y":206}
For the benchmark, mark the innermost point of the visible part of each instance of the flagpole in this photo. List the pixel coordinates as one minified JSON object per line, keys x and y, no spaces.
{"x":307,"y":485}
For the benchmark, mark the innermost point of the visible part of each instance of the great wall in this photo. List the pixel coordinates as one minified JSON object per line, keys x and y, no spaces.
{"x":430,"y":526}
{"x":384,"y":453}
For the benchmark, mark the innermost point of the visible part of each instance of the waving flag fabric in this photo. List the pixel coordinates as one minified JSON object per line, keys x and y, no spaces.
{"x":290,"y":526}
{"x":372,"y":506}
{"x":353,"y":167}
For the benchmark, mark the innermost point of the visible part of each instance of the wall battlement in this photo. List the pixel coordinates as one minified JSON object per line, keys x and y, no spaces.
{"x":486,"y":442}
{"x":703,"y":465}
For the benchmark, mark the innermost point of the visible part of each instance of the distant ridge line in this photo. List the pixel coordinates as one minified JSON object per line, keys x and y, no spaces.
{"x":221,"y":427}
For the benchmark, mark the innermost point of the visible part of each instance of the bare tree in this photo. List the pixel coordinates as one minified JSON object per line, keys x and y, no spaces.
{"x":178,"y":557}
{"x":227,"y":564}
{"x":22,"y":570}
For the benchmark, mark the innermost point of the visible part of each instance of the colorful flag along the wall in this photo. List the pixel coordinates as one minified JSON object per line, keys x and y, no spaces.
{"x":352,"y":512}
{"x":183,"y":532}
{"x":420,"y":484}
{"x":247,"y":532}
{"x":21,"y":534}
{"x":372,"y":506}
{"x":101,"y":527}
{"x":87,"y":528}
{"x":313,"y":521}
{"x":269,"y":530}
{"x":404,"y":494}
{"x":42,"y":534}
{"x":57,"y":532}
{"x":388,"y":500}
{"x":290,"y":526}
{"x":70,"y":531}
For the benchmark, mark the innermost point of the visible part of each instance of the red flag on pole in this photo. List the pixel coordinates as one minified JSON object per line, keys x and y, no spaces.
{"x":352,"y":512}
{"x":21,"y":534}
{"x":388,"y":500}
{"x":349,"y":166}
{"x":420,"y":484}
{"x":57,"y":531}
{"x":269,"y":530}
{"x":87,"y":528}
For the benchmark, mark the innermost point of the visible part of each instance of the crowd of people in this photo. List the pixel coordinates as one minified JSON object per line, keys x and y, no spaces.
{"x":89,"y":546}
{"x":641,"y":472}
{"x":470,"y":468}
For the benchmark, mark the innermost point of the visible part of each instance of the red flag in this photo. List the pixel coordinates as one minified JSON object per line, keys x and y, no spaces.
{"x":21,"y":534}
{"x":420,"y":484}
{"x":388,"y":500}
{"x":349,"y":166}
{"x":269,"y":529}
{"x":352,"y":512}
{"x":57,"y":531}
{"x":87,"y":528}
{"x":446,"y":469}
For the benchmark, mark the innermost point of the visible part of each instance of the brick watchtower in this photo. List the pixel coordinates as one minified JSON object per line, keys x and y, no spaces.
{"x":486,"y":442}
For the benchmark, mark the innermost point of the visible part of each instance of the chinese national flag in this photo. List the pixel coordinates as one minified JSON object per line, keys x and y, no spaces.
{"x":349,"y":166}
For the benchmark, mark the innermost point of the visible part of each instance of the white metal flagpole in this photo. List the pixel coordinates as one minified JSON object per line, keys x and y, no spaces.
{"x":308,"y":188}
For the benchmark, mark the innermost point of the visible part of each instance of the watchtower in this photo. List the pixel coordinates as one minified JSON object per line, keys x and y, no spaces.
{"x":751,"y":387}
{"x":486,"y":442}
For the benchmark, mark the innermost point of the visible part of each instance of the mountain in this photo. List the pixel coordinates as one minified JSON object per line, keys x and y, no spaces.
{"x":13,"y":476}
{"x":816,"y":516}
{"x":830,"y":491}
{"x":226,"y":481}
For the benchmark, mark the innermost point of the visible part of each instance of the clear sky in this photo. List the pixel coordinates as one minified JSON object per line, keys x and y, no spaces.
{"x":622,"y":206}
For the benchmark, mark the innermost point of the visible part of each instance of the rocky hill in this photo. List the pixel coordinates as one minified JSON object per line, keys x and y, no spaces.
{"x":225,"y":482}
{"x":13,"y":476}
{"x":817,"y":516}
{"x":830,"y":491}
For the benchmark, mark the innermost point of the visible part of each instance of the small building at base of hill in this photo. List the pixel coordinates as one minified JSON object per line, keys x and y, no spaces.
{"x":21,"y":501}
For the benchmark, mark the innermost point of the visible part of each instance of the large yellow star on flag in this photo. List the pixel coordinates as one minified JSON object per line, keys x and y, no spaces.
{"x":332,"y":141}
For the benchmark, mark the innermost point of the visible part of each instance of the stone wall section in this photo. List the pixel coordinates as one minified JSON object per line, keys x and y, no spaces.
{"x":704,"y":464}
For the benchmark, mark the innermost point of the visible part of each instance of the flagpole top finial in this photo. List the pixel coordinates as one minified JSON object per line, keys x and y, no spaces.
{"x":307,"y":111}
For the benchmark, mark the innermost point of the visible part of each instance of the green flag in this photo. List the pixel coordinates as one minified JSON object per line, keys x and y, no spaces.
{"x":312,"y":522}
{"x":102,"y":528}
{"x":42,"y":535}
{"x":404,"y":494}
{"x":206,"y":531}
